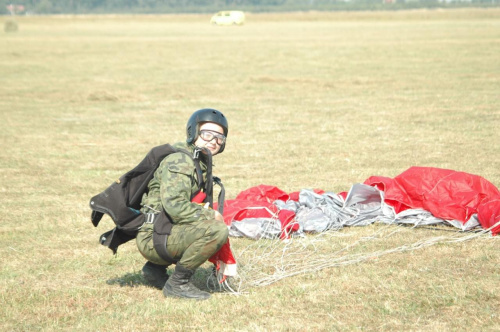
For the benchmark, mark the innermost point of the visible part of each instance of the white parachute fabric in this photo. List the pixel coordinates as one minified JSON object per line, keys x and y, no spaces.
{"x":256,"y":228}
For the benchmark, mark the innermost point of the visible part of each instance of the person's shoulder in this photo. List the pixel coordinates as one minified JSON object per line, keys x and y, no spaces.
{"x":179,"y":162}
{"x":183,"y":146}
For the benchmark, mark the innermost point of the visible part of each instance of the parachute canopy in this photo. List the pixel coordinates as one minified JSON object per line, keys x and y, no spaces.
{"x":420,"y":195}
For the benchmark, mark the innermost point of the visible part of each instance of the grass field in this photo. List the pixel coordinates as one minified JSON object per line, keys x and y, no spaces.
{"x":314,"y":100}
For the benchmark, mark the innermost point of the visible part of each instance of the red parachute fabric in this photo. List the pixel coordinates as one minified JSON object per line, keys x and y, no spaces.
{"x":224,"y":254}
{"x":239,"y":209}
{"x":489,"y":214}
{"x":447,"y":194}
{"x":257,"y":202}
{"x":263,"y":193}
{"x":288,"y":226}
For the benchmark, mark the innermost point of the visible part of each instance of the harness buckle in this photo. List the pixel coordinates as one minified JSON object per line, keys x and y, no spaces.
{"x":150,"y":218}
{"x":196,"y":153}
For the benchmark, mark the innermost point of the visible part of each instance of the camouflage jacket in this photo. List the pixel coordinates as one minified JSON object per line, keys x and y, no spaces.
{"x":173,"y":184}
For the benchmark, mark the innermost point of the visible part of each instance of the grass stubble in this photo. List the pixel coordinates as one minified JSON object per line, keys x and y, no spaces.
{"x":316,"y":100}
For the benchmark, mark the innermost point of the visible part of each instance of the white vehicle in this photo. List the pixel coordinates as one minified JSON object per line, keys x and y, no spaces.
{"x":231,"y":17}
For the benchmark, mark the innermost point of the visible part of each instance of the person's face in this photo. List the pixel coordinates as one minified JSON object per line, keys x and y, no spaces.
{"x":211,"y":136}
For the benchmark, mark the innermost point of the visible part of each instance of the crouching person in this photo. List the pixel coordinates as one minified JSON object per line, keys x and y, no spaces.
{"x":197,"y":232}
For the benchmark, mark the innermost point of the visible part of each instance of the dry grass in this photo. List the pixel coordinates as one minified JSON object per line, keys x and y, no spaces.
{"x":314,"y":101}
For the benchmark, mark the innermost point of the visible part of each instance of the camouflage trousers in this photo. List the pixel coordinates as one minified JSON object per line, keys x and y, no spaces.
{"x":191,"y":244}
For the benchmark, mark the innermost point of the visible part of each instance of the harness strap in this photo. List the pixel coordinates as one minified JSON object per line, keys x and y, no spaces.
{"x":209,"y":184}
{"x":160,"y":240}
{"x":199,"y":173}
{"x":222,"y":195}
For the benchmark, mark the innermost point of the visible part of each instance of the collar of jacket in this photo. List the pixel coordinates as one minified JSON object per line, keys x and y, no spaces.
{"x":191,"y":148}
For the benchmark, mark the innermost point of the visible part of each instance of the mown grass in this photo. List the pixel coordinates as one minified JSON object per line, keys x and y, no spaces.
{"x":314,"y":100}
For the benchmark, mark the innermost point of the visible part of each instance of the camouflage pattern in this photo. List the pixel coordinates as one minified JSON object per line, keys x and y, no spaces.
{"x":196,"y":235}
{"x":191,"y":244}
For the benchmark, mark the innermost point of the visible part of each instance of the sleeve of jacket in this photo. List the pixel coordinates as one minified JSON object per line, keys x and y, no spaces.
{"x":178,"y":181}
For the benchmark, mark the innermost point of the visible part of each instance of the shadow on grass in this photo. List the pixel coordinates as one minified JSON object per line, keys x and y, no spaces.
{"x":135,"y":279}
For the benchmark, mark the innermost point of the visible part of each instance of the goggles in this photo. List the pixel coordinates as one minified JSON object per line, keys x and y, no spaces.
{"x":208,"y":135}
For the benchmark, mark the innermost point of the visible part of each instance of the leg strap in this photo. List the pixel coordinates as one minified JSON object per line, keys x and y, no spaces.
{"x":160,"y":245}
{"x":161,"y":230}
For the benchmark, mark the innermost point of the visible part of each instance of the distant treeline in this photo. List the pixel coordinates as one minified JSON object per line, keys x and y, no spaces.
{"x":27,"y":7}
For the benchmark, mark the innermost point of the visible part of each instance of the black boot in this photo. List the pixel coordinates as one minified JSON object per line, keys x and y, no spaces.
{"x":178,"y":285}
{"x":155,"y":275}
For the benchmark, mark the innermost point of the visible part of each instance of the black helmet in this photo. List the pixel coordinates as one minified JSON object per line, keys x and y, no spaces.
{"x":201,"y":116}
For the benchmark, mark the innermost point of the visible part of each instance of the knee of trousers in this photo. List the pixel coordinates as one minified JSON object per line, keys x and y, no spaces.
{"x":219,"y":231}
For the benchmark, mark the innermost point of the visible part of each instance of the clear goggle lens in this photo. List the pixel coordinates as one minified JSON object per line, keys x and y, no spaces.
{"x":208,"y":136}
